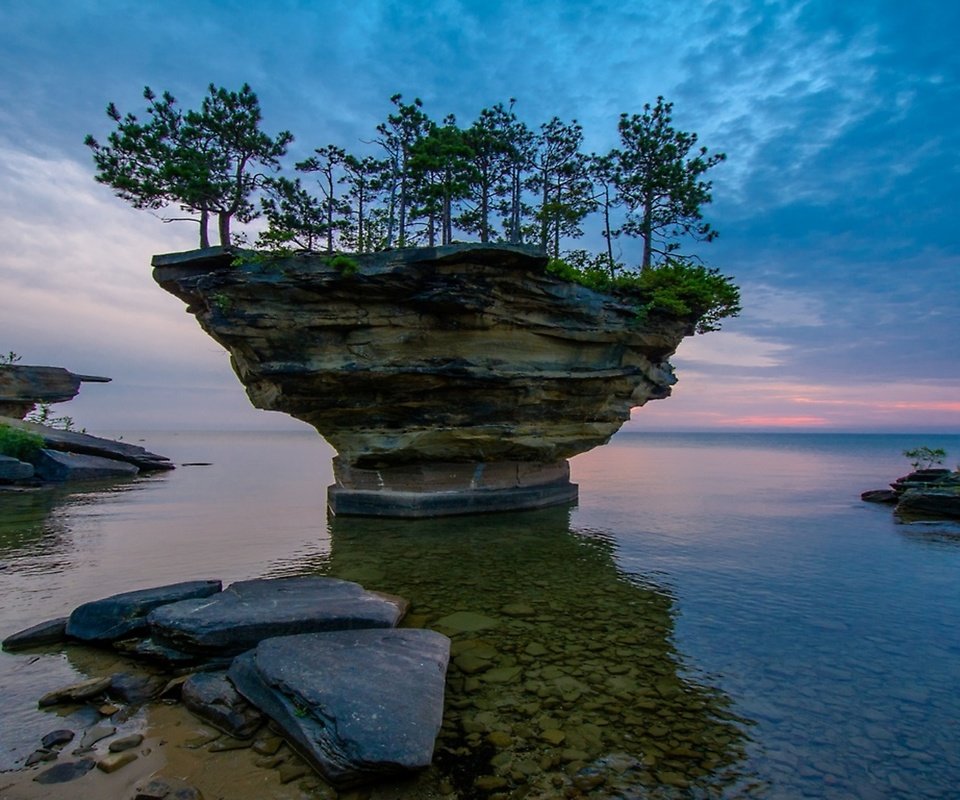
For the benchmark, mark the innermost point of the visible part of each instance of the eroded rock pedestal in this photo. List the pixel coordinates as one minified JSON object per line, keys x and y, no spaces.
{"x":450,"y":380}
{"x":23,"y":386}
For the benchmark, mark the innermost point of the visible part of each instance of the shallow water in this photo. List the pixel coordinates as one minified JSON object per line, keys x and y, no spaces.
{"x":720,"y":616}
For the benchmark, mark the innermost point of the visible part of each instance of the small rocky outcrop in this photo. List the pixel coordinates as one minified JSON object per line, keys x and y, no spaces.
{"x":450,"y":380}
{"x":326,"y":692}
{"x":72,"y":456}
{"x":23,"y":386}
{"x":922,"y":495}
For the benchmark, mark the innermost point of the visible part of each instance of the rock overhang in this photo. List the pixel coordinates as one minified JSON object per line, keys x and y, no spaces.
{"x":470,"y":354}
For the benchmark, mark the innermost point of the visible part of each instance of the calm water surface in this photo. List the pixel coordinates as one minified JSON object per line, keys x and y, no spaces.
{"x":719,"y":617}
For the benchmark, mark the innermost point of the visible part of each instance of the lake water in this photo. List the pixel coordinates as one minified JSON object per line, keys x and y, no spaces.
{"x":719,"y":616}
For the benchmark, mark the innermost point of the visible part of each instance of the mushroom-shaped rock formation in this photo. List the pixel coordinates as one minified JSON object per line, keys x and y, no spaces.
{"x":450,"y":379}
{"x":23,"y":386}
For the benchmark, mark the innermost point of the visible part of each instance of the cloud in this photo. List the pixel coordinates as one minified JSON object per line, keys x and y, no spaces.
{"x":703,"y":400}
{"x":729,"y":350}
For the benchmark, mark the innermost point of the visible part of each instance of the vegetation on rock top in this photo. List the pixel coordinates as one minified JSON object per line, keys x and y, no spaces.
{"x":497,"y":179}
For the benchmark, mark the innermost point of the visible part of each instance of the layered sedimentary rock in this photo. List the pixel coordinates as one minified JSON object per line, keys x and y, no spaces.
{"x":453,"y":370}
{"x":23,"y":386}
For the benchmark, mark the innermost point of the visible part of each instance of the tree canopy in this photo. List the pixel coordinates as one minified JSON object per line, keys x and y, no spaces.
{"x":200,"y":160}
{"x":428,"y":181}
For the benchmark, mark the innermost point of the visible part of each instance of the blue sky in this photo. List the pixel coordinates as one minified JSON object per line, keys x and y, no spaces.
{"x":836,"y":205}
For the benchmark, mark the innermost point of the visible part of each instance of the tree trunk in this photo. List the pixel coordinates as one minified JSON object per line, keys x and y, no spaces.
{"x":223,"y":223}
{"x":485,"y":215}
{"x":392,"y":206}
{"x":360,"y":243}
{"x":330,"y":212}
{"x":447,"y":232}
{"x":204,"y":228}
{"x":647,"y":232}
{"x":606,"y":227}
{"x":545,"y":201}
{"x":515,"y":216}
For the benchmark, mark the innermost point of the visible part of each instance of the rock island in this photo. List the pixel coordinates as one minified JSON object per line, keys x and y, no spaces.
{"x":450,"y":380}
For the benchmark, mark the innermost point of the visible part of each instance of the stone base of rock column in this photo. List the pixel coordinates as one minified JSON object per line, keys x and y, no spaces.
{"x":447,"y":489}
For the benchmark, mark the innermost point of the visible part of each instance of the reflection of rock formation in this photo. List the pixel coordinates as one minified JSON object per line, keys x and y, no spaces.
{"x":28,"y":526}
{"x":432,"y":371}
{"x":563,"y":670}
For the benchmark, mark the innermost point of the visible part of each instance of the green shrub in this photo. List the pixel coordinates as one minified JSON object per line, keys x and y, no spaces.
{"x":19,"y":444}
{"x":925,"y":457}
{"x":345,"y":265}
{"x":680,"y":289}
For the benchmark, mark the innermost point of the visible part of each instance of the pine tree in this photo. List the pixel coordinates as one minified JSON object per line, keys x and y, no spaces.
{"x":659,"y":184}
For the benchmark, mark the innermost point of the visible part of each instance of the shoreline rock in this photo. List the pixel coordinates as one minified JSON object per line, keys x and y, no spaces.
{"x":391,"y":680}
{"x":923,"y":495}
{"x":326,"y":693}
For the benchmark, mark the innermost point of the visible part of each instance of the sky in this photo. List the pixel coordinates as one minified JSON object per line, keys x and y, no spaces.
{"x":836,"y":205}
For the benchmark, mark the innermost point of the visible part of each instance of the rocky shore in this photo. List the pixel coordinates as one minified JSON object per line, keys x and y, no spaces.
{"x":71,"y":456}
{"x":313,"y":665}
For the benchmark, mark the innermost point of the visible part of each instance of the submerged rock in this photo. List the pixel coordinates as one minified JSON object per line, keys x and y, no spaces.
{"x":358,"y":705}
{"x":249,"y":611}
{"x":67,"y":771}
{"x":76,"y":692}
{"x":124,"y":614}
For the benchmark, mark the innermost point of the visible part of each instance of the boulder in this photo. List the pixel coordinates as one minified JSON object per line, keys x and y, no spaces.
{"x":930,"y":503}
{"x":52,"y":465}
{"x":50,"y":632}
{"x":12,"y":469}
{"x":213,"y":698}
{"x":125,"y":614}
{"x":136,"y":689}
{"x":888,"y":496}
{"x":358,"y":705}
{"x":249,"y":611}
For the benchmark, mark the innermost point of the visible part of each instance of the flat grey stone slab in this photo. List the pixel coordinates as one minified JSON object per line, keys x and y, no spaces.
{"x":52,"y":465}
{"x":358,"y":705}
{"x":50,"y":632}
{"x":249,"y":611}
{"x":125,"y":614}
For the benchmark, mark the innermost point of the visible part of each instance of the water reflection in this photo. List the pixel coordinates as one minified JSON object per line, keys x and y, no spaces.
{"x":563,"y":678}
